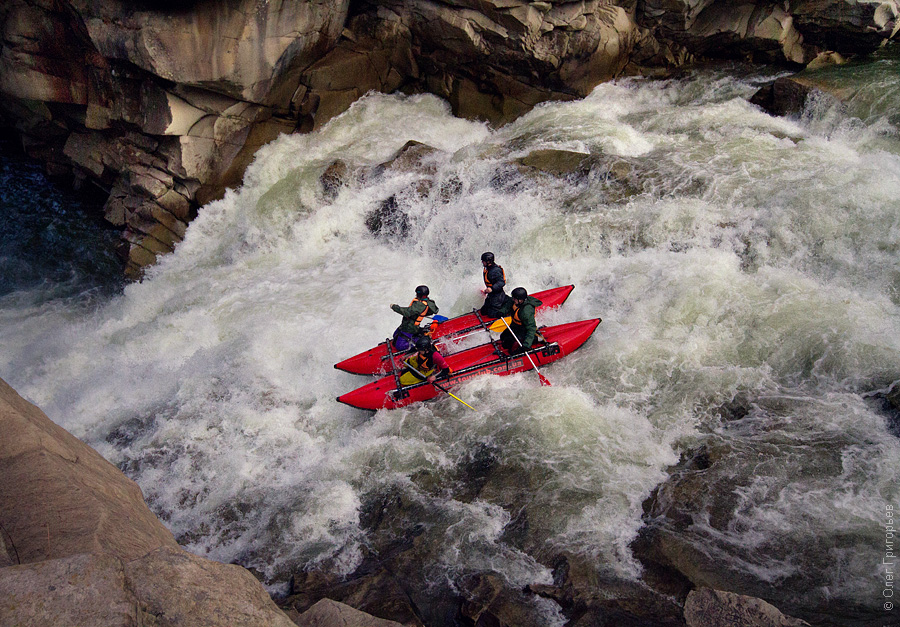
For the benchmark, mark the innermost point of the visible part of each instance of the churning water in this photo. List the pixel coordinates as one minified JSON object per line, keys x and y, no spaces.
{"x":737,"y":260}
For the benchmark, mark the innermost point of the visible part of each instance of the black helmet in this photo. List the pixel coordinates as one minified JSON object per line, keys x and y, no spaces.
{"x":520,"y":293}
{"x":487,"y":258}
{"x":423,"y":344}
{"x":422,"y":290}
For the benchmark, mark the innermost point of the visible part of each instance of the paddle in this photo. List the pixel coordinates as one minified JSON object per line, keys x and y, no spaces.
{"x":544,"y":380}
{"x":438,"y":318}
{"x":498,"y":325}
{"x":440,"y":387}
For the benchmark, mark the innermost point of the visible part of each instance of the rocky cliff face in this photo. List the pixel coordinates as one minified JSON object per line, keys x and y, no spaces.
{"x":163,"y":108}
{"x":164,"y":105}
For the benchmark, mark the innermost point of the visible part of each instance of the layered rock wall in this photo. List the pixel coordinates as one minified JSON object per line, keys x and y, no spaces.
{"x":163,"y":106}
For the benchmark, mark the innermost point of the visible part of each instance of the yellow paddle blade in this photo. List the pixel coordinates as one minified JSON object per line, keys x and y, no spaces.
{"x":499,"y":325}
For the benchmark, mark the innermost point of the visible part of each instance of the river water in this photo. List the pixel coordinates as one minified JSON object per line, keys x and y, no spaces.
{"x":747,"y":260}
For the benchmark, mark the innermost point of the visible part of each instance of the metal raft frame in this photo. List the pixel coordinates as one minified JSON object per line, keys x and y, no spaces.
{"x":399,"y":391}
{"x":548,"y":349}
{"x":488,"y":329}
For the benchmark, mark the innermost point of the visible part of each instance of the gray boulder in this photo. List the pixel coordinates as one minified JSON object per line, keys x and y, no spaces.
{"x":716,"y":608}
{"x":81,"y":590}
{"x":328,"y":613}
{"x":59,"y":497}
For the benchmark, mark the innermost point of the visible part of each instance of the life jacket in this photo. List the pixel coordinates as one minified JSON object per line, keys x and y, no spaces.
{"x":425,"y":366}
{"x":515,"y":313}
{"x":425,"y":311}
{"x":485,"y":273}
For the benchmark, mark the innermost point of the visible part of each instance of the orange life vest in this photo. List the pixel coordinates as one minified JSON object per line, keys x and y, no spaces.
{"x":515,"y":314}
{"x":426,"y":364}
{"x":485,"y":272}
{"x":424,"y":313}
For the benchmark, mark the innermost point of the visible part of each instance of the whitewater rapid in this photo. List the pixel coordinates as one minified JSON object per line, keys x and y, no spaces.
{"x":758,"y":259}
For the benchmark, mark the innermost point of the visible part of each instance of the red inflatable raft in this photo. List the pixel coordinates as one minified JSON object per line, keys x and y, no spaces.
{"x":377,"y":361}
{"x":560,"y":340}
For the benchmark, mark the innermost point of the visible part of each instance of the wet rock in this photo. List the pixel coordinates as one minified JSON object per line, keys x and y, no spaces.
{"x":694,"y":522}
{"x":824,"y":59}
{"x":489,"y":600}
{"x":388,"y":220}
{"x":450,"y":189}
{"x":887,"y":401}
{"x":737,"y":408}
{"x":715,"y":608}
{"x":328,"y":613}
{"x":412,"y":158}
{"x":580,"y":585}
{"x":130,"y":430}
{"x":392,"y":219}
{"x":370,"y":589}
{"x":334,"y":177}
{"x":390,"y":582}
{"x":893,"y":396}
{"x":558,"y":162}
{"x":474,"y":471}
{"x":590,"y":180}
{"x":508,"y":178}
{"x":591,"y":597}
{"x":784,"y":96}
